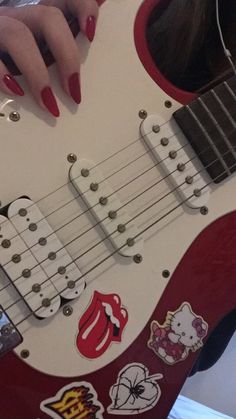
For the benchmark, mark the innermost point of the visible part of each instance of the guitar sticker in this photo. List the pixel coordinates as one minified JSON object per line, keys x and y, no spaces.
{"x":183,"y":331}
{"x":76,"y":400}
{"x":135,"y":391}
{"x":101,"y":324}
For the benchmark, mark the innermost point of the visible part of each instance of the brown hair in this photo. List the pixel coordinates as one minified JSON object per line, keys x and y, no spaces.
{"x":179,"y":29}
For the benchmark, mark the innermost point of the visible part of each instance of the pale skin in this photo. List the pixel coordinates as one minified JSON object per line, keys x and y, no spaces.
{"x":21,"y":27}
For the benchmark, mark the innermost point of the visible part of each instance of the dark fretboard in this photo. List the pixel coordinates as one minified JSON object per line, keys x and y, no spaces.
{"x":209,"y":123}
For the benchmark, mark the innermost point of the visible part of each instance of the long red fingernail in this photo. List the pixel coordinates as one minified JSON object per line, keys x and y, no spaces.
{"x":74,"y":87}
{"x":90,"y":28}
{"x":49,"y":101}
{"x":12,"y":85}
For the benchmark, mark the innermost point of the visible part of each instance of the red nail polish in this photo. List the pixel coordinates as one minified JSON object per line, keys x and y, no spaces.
{"x":49,"y":101}
{"x":90,"y":28}
{"x":12,"y":85}
{"x":74,"y":87}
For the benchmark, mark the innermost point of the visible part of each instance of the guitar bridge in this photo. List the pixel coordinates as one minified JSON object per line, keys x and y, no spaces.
{"x":9,"y":335}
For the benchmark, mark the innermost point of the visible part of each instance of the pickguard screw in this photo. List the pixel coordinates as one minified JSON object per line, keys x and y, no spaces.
{"x":85,"y":172}
{"x":67,"y":310}
{"x":71,"y":158}
{"x":156,"y":128}
{"x":137,"y":258}
{"x":142,"y":114}
{"x":168,"y":104}
{"x":25,"y":353}
{"x":204,"y":210}
{"x":164,"y":141}
{"x":14,"y":116}
{"x":166,"y":273}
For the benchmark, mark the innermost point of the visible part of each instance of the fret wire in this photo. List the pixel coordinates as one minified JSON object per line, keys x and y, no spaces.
{"x":211,"y":116}
{"x":229,"y":90}
{"x":209,"y":140}
{"x":219,"y":101}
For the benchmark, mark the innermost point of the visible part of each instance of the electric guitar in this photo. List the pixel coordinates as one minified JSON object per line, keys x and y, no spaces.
{"x":117,"y":232}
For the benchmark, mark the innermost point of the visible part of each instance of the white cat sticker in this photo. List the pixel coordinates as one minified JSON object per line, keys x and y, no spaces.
{"x":135,"y":391}
{"x":182,"y":331}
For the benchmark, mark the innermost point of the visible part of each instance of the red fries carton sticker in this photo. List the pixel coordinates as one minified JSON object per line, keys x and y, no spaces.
{"x":101,"y":324}
{"x":77,"y":400}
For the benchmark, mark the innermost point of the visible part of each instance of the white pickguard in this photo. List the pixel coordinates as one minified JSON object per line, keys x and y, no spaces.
{"x":33,"y":162}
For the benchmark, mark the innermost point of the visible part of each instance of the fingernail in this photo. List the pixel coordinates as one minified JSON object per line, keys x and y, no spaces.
{"x":90,"y":28}
{"x":49,"y":101}
{"x":12,"y":85}
{"x":74,"y":87}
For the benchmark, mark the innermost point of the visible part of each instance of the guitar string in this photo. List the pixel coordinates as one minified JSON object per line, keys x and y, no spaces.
{"x":117,"y":209}
{"x":92,"y":168}
{"x":82,"y":194}
{"x":135,"y":237}
{"x":155,"y":203}
{"x":97,"y":204}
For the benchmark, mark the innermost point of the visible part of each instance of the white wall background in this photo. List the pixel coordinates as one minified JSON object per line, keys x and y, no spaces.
{"x":216,"y":387}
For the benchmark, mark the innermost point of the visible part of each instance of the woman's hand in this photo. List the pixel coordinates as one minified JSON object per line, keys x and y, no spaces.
{"x":20,"y":26}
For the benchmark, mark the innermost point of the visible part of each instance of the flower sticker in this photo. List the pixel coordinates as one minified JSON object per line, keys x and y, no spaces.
{"x":135,"y":391}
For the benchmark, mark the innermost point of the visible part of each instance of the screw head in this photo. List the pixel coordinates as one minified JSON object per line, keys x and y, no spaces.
{"x":165,"y":273}
{"x":142,"y":114}
{"x":42,"y":241}
{"x":25,"y":353}
{"x":22,"y":212}
{"x":61,"y":270}
{"x":16,"y":258}
{"x":137,"y":258}
{"x":204,"y":210}
{"x":197,"y":192}
{"x":189,"y":180}
{"x":67,"y":310}
{"x":52,"y":256}
{"x":46,"y":302}
{"x":181,"y":167}
{"x":36,"y":288}
{"x":168,"y":104}
{"x":33,"y":227}
{"x":14,"y":116}
{"x":26,"y":273}
{"x":71,"y":158}
{"x":71,"y":284}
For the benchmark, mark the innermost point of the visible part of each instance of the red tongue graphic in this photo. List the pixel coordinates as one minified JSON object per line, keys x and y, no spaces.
{"x":96,"y":331}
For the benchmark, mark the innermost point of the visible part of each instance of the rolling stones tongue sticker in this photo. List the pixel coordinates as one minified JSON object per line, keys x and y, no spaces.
{"x":76,"y":401}
{"x":135,"y":391}
{"x":101,"y":324}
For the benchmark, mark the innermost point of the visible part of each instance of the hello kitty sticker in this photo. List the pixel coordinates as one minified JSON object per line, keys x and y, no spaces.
{"x":183,"y":331}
